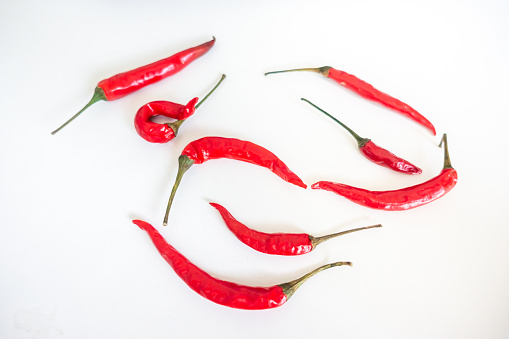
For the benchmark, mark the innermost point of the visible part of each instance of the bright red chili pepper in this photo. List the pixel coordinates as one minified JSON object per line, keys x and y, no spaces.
{"x":128,"y":82}
{"x":401,"y":199}
{"x":224,"y":292}
{"x":367,"y":91}
{"x":208,"y":148}
{"x":375,"y":153}
{"x":277,"y":243}
{"x":161,"y":133}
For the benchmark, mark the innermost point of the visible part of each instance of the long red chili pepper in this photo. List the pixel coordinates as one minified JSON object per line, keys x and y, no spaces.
{"x":367,"y":91}
{"x":375,"y":153}
{"x":401,"y":199}
{"x":224,"y":292}
{"x":208,"y":148}
{"x":128,"y":82}
{"x":277,"y":243}
{"x":161,"y":133}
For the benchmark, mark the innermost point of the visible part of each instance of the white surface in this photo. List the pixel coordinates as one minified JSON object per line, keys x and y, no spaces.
{"x":73,"y":265}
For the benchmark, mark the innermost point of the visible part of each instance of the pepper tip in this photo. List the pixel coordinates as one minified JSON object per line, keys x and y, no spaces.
{"x":139,"y":223}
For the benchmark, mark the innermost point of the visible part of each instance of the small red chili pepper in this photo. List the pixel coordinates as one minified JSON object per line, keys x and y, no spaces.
{"x":161,"y":133}
{"x":375,"y":153}
{"x":401,"y":199}
{"x":277,"y":243}
{"x":128,"y":82}
{"x":367,"y":91}
{"x":224,"y":292}
{"x":208,"y":148}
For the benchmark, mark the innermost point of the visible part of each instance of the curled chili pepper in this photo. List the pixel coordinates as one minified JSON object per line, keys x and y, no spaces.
{"x":375,"y":153}
{"x":277,"y":243}
{"x":367,"y":91}
{"x":224,"y":292}
{"x":401,"y":199}
{"x":208,"y":148}
{"x":161,"y":133}
{"x":128,"y":82}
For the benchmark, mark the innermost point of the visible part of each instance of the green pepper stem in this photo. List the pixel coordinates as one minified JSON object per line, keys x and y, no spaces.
{"x":211,"y":91}
{"x":98,"y":96}
{"x":322,"y":70}
{"x":184,"y":163}
{"x":447,"y":159}
{"x":175,"y":125}
{"x":360,"y":140}
{"x":315,"y":241}
{"x":290,"y":287}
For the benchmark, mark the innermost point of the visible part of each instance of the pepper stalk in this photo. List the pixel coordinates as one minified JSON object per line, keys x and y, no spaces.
{"x":447,"y":159}
{"x":315,"y":241}
{"x":290,"y":287}
{"x":184,"y":164}
{"x":98,"y":96}
{"x":175,"y":125}
{"x":324,"y":70}
{"x":360,"y":140}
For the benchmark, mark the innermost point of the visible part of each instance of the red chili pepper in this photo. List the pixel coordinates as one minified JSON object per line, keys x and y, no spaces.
{"x":128,"y":82}
{"x":375,"y":153}
{"x":367,"y":91}
{"x":161,"y":133}
{"x":401,"y":199}
{"x":224,"y":292}
{"x":277,"y":243}
{"x":208,"y":148}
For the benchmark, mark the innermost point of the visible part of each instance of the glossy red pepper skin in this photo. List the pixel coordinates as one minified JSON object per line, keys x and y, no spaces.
{"x":161,"y":133}
{"x":270,"y":243}
{"x":400,"y":199}
{"x":224,"y":292}
{"x":216,"y":290}
{"x":277,"y":243}
{"x":373,"y":152}
{"x":209,"y":148}
{"x":128,"y":82}
{"x":383,"y":157}
{"x":369,"y":92}
{"x":396,"y":200}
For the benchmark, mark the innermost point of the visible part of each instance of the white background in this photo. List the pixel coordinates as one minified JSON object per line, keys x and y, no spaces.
{"x":73,"y":265}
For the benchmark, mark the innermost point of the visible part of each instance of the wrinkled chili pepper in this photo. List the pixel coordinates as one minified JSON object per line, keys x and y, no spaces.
{"x":375,"y":153}
{"x":128,"y":82}
{"x":224,"y":292}
{"x":401,"y":199}
{"x":277,"y":243}
{"x":161,"y":133}
{"x":367,"y":91}
{"x":208,"y":148}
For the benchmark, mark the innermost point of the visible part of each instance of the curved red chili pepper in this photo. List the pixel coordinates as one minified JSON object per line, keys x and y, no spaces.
{"x":161,"y":133}
{"x":208,"y":148}
{"x":375,"y":153}
{"x":401,"y":199}
{"x":276,"y":243}
{"x":224,"y":292}
{"x":128,"y":82}
{"x":367,"y":91}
